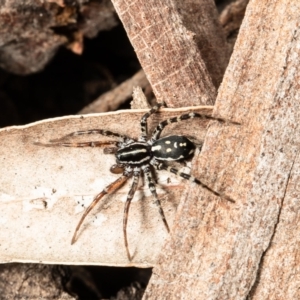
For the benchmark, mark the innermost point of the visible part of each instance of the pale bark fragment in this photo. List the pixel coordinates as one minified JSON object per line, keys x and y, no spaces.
{"x":112,"y":99}
{"x":44,"y":190}
{"x":139,"y":100}
{"x":180,"y":45}
{"x":216,"y":248}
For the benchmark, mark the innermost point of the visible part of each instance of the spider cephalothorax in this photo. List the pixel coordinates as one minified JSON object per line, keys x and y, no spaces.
{"x":136,"y":156}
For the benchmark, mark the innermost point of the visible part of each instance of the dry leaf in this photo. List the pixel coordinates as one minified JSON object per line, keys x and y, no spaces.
{"x":44,"y":190}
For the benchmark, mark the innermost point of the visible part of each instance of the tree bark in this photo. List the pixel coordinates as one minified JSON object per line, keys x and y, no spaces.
{"x":180,"y":45}
{"x":31,"y":32}
{"x":221,"y":250}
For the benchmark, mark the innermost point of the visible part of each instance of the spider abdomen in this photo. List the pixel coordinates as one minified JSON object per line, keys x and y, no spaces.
{"x":172,"y":148}
{"x":136,"y":153}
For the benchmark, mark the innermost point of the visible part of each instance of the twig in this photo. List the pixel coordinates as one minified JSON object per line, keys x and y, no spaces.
{"x":113,"y":99}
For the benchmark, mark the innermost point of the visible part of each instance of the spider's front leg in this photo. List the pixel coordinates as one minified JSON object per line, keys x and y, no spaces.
{"x":147,"y":172}
{"x":93,"y":131}
{"x":136,"y":175}
{"x":144,"y":130}
{"x":77,"y":144}
{"x":61,"y":141}
{"x":108,"y":190}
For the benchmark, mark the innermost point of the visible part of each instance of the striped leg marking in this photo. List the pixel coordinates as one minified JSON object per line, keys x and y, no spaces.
{"x":77,"y":144}
{"x":61,"y":142}
{"x":92,"y":131}
{"x":157,"y":131}
{"x":126,"y":209}
{"x":144,"y":130}
{"x":108,"y":190}
{"x":152,"y":188}
{"x":161,"y":166}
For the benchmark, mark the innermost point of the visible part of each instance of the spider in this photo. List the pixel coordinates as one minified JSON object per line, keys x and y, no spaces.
{"x":134,"y":157}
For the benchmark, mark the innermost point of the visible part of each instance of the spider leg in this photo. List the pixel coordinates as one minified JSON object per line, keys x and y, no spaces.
{"x":108,"y":190}
{"x":126,"y":208}
{"x":161,"y":166}
{"x":144,"y":130}
{"x":76,"y":144}
{"x":159,"y":128}
{"x":93,"y":131}
{"x":152,"y":188}
{"x":61,"y":142}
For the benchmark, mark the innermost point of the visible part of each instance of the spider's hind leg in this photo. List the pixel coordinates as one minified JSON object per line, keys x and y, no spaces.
{"x":159,"y":128}
{"x":161,"y":166}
